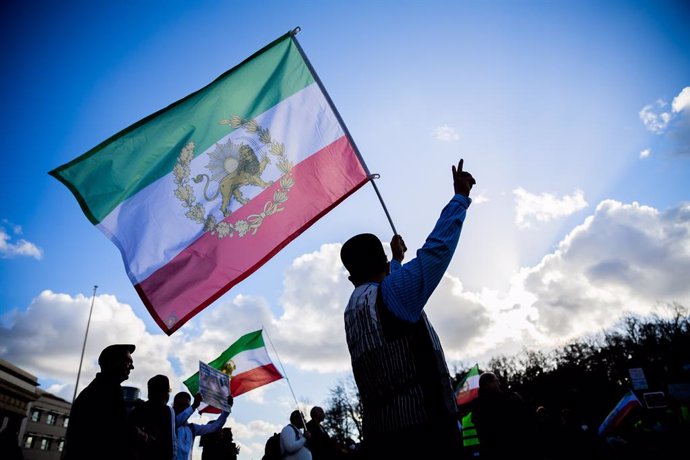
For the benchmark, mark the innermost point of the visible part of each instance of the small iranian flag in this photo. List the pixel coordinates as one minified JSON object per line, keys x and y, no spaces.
{"x":200,"y":194}
{"x":246,"y":362}
{"x":468,"y":389}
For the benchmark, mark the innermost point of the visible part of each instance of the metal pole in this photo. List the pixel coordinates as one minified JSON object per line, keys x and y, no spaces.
{"x":88,"y":323}
{"x":285,"y":375}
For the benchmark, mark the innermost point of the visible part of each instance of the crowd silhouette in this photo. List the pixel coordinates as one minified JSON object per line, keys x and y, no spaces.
{"x":498,"y":424}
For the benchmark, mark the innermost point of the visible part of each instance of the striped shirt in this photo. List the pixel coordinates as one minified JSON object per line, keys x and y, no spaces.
{"x":408,"y":287}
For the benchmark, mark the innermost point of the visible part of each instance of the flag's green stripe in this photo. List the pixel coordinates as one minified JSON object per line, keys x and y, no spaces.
{"x":473,"y":371}
{"x":246,"y":342}
{"x":146,"y":151}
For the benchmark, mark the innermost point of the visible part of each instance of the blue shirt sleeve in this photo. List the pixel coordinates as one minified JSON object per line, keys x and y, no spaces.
{"x":211,"y":427}
{"x":183,"y":416}
{"x":408,"y":287}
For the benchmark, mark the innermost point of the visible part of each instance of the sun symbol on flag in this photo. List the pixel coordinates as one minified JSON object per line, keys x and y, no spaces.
{"x":226,"y":158}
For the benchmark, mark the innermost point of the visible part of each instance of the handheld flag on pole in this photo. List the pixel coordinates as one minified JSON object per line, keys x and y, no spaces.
{"x":623,"y":408}
{"x":468,"y":388}
{"x":200,"y":194}
{"x":247,"y":363}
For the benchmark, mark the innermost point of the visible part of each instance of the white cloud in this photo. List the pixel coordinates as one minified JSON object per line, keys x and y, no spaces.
{"x":645,"y":153}
{"x":446,"y":133}
{"x":479,"y":197}
{"x":656,"y":121}
{"x":22,"y":247}
{"x":674,"y":125}
{"x":623,"y":259}
{"x":682,"y":101}
{"x":544,"y":207}
{"x":46,"y":339}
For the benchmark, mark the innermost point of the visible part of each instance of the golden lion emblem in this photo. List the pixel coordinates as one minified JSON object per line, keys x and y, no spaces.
{"x":233,"y":166}
{"x":229,"y":367}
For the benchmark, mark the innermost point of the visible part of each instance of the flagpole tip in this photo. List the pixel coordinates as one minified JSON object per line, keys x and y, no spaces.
{"x":295,"y":31}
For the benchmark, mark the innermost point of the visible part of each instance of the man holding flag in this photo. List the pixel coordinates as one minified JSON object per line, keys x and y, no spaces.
{"x":397,"y":358}
{"x":185,"y":431}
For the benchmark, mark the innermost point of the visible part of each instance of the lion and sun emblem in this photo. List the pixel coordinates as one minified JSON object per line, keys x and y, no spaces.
{"x":236,"y":167}
{"x":233,"y":166}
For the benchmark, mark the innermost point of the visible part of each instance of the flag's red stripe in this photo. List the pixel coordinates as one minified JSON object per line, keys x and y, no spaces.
{"x":209,"y":267}
{"x":618,"y":414}
{"x":468,"y":396}
{"x":246,"y":381}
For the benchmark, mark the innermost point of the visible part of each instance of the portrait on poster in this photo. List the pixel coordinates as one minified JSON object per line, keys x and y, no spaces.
{"x":214,"y":387}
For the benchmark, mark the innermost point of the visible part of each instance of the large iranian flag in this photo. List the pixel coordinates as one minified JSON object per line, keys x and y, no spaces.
{"x":468,"y":389}
{"x":200,"y":194}
{"x":246,"y":362}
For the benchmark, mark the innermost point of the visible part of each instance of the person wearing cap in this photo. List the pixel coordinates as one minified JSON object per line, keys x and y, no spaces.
{"x":98,"y":425}
{"x":408,"y":405}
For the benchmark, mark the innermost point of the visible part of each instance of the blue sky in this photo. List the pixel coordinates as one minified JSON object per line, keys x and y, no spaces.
{"x":574,"y":117}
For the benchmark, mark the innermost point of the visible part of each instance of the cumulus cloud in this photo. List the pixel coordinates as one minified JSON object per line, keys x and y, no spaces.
{"x":446,"y":134}
{"x":645,"y":153}
{"x":21,"y":247}
{"x":672,"y":123}
{"x":46,"y":339}
{"x":624,"y":259}
{"x":544,"y":207}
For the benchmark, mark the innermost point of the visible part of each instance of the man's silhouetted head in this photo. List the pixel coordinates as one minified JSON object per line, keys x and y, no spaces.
{"x":364,"y":257}
{"x":116,"y":361}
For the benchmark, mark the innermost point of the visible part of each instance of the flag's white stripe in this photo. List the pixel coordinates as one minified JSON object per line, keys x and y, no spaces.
{"x":151,"y":228}
{"x":473,"y":381}
{"x":250,"y":359}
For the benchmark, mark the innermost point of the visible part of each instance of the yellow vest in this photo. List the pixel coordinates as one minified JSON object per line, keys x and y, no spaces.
{"x":469,"y":432}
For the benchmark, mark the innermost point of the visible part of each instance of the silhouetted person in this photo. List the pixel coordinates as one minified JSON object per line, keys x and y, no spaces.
{"x":98,"y":425}
{"x":293,"y":441}
{"x":9,"y":445}
{"x":409,"y":408}
{"x":321,"y":445}
{"x":184,"y":408}
{"x":219,"y":445}
{"x":546,"y":429}
{"x":155,"y":418}
{"x":502,"y":420}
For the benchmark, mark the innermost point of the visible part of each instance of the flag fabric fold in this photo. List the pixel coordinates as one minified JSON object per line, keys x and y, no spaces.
{"x":621,"y":410}
{"x":247,"y":363}
{"x":199,"y":195}
{"x":468,"y":388}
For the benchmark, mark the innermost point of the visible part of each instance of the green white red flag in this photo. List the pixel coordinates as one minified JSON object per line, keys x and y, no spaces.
{"x":247,"y":363}
{"x":468,"y":388}
{"x":199,"y":195}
